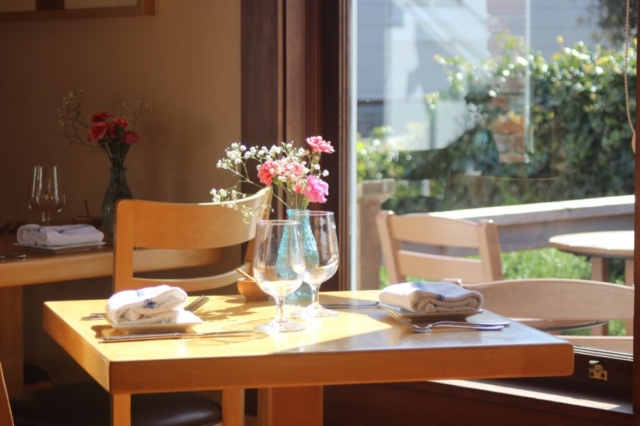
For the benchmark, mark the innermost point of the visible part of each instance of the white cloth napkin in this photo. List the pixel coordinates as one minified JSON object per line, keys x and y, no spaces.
{"x":424,"y":296}
{"x":52,"y":236}
{"x":146,"y":305}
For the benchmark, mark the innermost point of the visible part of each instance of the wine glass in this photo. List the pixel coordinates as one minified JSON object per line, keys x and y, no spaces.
{"x":320,"y":243}
{"x":278,"y":266}
{"x":46,"y":193}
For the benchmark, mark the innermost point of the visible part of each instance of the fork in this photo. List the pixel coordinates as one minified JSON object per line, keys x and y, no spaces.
{"x":191,"y":307}
{"x":448,"y":324}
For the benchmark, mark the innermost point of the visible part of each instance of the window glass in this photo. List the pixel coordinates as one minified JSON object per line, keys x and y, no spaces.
{"x":518,"y":106}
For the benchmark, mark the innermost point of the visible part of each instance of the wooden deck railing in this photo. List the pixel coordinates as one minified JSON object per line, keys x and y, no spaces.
{"x":521,"y":227}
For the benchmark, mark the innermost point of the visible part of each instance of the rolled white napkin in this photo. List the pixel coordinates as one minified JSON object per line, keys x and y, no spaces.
{"x":52,"y":236}
{"x":424,"y":296}
{"x":146,"y":305}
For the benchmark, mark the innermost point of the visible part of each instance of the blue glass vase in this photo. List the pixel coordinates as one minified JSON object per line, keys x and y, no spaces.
{"x":303,"y":293}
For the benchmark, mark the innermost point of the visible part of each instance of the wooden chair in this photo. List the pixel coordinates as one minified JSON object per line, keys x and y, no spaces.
{"x":6,"y":418}
{"x":147,"y":224}
{"x":150,"y":224}
{"x":396,"y":231}
{"x":556,"y":304}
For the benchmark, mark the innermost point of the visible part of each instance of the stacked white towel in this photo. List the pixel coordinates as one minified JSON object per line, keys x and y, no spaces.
{"x":431,"y":297}
{"x":146,"y":305}
{"x":55,"y":236}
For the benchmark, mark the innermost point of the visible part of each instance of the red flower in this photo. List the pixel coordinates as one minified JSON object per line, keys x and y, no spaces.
{"x":97,"y":131}
{"x":121,"y":122}
{"x":99,"y":117}
{"x":131,"y":137}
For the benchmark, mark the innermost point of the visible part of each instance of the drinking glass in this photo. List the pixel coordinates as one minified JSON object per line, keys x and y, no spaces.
{"x":46,"y":193}
{"x":278,"y":265}
{"x":320,"y":243}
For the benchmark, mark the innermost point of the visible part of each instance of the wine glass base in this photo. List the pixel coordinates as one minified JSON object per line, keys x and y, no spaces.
{"x":282,"y":326}
{"x":314,"y":312}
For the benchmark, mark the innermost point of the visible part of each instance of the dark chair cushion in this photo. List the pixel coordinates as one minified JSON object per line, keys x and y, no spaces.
{"x":87,"y":404}
{"x":34,"y":374}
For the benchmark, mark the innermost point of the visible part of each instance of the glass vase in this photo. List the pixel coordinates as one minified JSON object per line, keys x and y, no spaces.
{"x":117,"y":189}
{"x":304,"y":291}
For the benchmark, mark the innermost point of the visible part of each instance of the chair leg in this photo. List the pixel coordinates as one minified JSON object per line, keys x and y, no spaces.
{"x":233,"y":407}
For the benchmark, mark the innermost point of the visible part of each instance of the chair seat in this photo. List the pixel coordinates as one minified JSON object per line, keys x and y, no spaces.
{"x":84,"y":404}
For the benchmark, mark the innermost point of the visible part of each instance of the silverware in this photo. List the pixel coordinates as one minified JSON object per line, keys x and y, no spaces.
{"x":195,"y":304}
{"x":13,"y":256}
{"x":348,"y":305}
{"x":162,"y":336}
{"x":427,"y":328}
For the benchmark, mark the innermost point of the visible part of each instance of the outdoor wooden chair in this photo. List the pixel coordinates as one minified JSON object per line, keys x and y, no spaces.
{"x":559,"y":304}
{"x":397,"y":231}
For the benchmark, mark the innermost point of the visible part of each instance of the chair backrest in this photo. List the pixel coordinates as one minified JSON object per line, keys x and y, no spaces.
{"x":159,"y":225}
{"x":551,"y":302}
{"x":557,"y":299}
{"x":426,"y":229}
{"x":6,"y":418}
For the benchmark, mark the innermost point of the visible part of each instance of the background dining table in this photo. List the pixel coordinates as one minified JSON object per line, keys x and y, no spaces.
{"x":41,"y":268}
{"x":360,"y":345}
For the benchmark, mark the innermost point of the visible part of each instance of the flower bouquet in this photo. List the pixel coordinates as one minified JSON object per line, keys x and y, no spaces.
{"x":113,"y":135}
{"x":296,"y":170}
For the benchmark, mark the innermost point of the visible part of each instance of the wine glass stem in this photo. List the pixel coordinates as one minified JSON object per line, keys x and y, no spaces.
{"x":315,"y":295}
{"x":46,"y":217}
{"x":279,"y":309}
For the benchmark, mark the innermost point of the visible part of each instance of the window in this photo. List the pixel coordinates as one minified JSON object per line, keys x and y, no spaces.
{"x":307,"y":90}
{"x":514,"y":105}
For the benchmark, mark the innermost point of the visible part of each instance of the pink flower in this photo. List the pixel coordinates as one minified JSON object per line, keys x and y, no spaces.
{"x":99,"y":117}
{"x":295,"y":171}
{"x":131,"y":137}
{"x":320,"y":145}
{"x":316,"y":190}
{"x":97,"y":131}
{"x":267,"y":172}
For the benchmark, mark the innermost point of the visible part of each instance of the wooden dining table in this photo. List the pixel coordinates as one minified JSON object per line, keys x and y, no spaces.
{"x":360,"y":345}
{"x":41,"y":268}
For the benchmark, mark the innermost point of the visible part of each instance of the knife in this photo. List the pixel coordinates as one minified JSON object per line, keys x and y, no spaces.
{"x":348,"y":305}
{"x":161,"y":336}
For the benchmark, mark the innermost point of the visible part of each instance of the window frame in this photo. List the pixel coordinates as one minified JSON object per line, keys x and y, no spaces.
{"x":295,"y":83}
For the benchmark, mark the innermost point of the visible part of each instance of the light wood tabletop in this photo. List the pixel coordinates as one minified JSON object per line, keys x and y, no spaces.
{"x":361,"y":345}
{"x":39,"y":268}
{"x":600,"y":246}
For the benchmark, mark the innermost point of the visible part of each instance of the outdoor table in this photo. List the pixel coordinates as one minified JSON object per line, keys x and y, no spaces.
{"x":600,"y":246}
{"x":360,"y":345}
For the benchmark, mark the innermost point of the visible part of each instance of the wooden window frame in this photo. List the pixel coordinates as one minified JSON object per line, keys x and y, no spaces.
{"x":295,"y":83}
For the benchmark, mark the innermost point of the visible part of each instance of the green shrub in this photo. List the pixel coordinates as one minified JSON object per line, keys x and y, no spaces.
{"x":580,"y":135}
